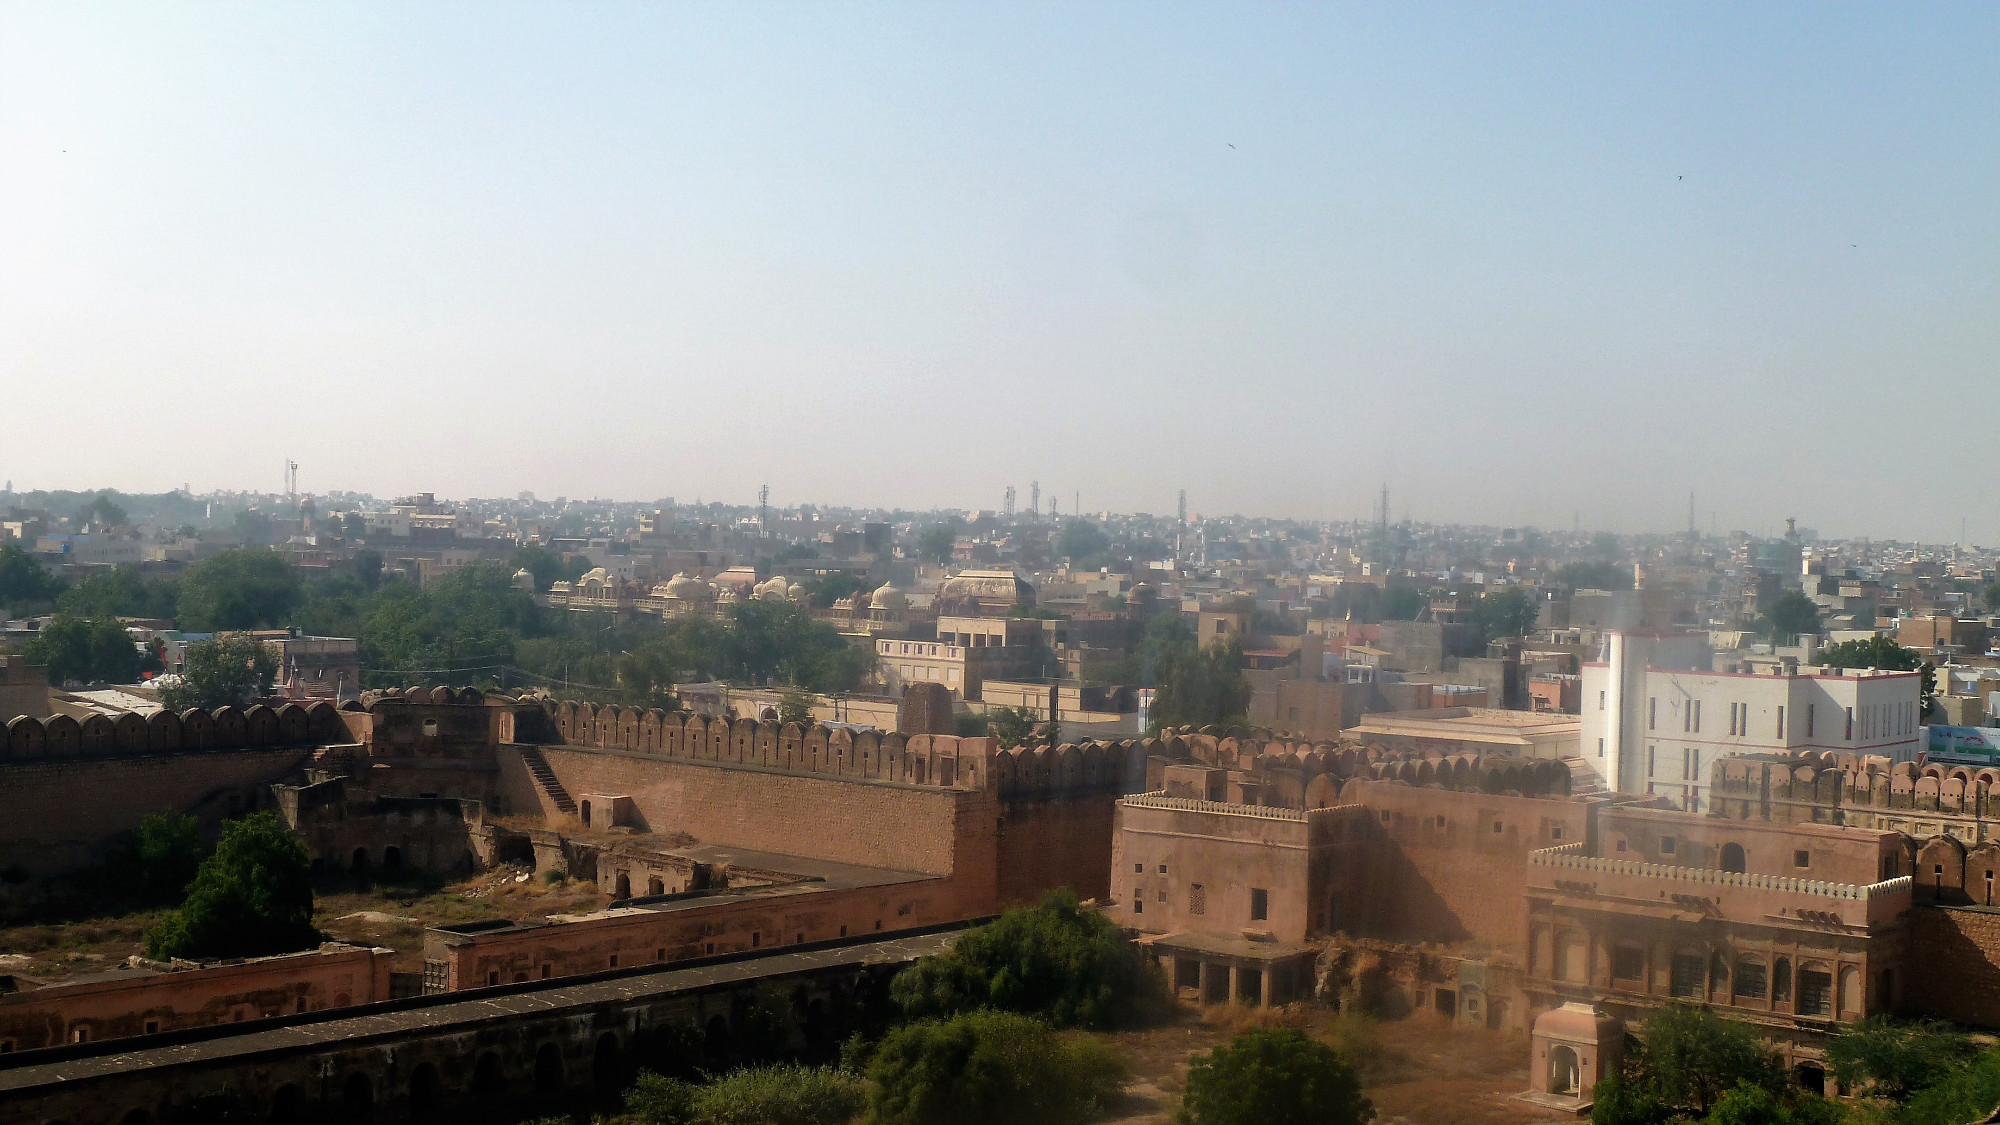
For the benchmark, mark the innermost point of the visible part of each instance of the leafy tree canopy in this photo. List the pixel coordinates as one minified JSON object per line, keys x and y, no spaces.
{"x":548,"y":567}
{"x":1899,"y":1058}
{"x":1508,"y":612}
{"x":796,"y":707}
{"x":245,"y":589}
{"x":221,"y":673}
{"x":1881,"y":652}
{"x":1689,"y":1058}
{"x":934,"y":543}
{"x":252,"y":897}
{"x":104,"y":510}
{"x":1401,"y":603}
{"x":794,"y":1095}
{"x":1084,"y":544}
{"x":24,"y":581}
{"x":1274,"y":1076}
{"x":1201,"y":686}
{"x":1055,"y":960}
{"x":990,"y":1068}
{"x":120,"y":592}
{"x":85,"y":650}
{"x":1791,"y":615}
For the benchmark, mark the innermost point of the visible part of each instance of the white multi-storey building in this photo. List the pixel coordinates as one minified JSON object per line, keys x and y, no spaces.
{"x":1656,"y":714}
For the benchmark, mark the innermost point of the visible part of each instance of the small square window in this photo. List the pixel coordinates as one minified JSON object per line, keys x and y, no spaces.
{"x":1496,"y":826}
{"x":1621,"y":845}
{"x":614,"y":960}
{"x":1666,"y":845}
{"x":1138,"y":905}
{"x":152,"y":1027}
{"x":493,"y":977}
{"x":1260,"y":904}
{"x":1138,"y":869}
{"x":1801,"y":859}
{"x":1163,"y":869}
{"x":1555,"y":831}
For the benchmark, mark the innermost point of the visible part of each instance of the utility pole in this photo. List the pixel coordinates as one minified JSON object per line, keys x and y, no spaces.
{"x":1180,"y":529}
{"x":291,"y":482}
{"x":764,"y":511}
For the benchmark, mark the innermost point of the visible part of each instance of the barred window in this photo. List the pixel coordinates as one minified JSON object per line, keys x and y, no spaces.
{"x":1197,"y":899}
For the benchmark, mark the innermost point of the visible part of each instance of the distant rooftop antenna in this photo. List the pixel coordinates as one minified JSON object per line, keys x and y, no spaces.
{"x":1035,"y":499}
{"x":1180,"y":527}
{"x":1008,"y":505}
{"x":1692,"y":533}
{"x":1076,"y":502}
{"x":291,"y":481}
{"x":764,"y":510}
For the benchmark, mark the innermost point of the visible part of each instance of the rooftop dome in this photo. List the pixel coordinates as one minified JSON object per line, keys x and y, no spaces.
{"x":773,"y":588}
{"x":887,"y":597}
{"x":681,"y":586}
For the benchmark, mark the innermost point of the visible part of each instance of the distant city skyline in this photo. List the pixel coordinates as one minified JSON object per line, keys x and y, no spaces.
{"x":1542,"y":266}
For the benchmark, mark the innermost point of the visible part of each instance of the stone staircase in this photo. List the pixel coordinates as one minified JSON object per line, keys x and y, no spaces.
{"x":546,"y":778}
{"x":1583,"y":781}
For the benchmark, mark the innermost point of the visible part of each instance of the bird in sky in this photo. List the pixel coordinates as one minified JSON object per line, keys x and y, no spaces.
{"x":1680,"y":177}
{"x":1227,"y":143}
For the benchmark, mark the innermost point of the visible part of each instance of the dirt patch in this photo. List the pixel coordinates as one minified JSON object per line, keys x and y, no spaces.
{"x":1418,"y":1071}
{"x":395,"y":916}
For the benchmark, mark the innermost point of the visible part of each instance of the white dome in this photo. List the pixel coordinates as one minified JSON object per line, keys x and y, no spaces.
{"x":887,"y":597}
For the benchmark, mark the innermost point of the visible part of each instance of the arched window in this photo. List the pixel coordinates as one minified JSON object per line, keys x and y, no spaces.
{"x":1781,"y":979}
{"x":1732,"y":858}
{"x":1752,"y":979}
{"x":1565,"y":1075}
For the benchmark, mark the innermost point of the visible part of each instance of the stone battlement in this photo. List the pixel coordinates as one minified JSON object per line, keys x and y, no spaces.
{"x":1565,"y":857}
{"x":29,"y":740}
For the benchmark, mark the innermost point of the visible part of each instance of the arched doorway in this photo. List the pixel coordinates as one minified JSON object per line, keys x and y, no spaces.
{"x":357,"y":1097}
{"x":360,"y":862}
{"x":1810,"y":1076}
{"x":549,"y":1068}
{"x":288,"y":1106}
{"x":607,"y":1066}
{"x":1565,"y":1074}
{"x":489,"y":1082}
{"x":585,"y":812}
{"x":624,"y":886}
{"x":426,"y":1090}
{"x":1732,"y":858}
{"x":392,"y":859}
{"x":715,"y":1038}
{"x":656,"y":886}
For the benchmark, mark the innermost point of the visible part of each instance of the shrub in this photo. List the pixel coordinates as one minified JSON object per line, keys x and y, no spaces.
{"x":793,"y":1095}
{"x":1056,"y":960}
{"x":1274,"y":1076}
{"x":990,"y":1068}
{"x":252,"y":897}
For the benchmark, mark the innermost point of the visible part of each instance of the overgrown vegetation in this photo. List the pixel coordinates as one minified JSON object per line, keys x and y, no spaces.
{"x":990,"y":1068}
{"x":759,"y":1095}
{"x":220,"y":673}
{"x":1056,"y":960}
{"x":1274,"y":1076}
{"x":253,"y":896}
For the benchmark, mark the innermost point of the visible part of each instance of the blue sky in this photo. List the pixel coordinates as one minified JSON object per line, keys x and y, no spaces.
{"x":1525,"y":263}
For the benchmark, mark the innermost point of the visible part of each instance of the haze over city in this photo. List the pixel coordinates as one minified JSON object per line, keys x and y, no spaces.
{"x":1529,"y":266}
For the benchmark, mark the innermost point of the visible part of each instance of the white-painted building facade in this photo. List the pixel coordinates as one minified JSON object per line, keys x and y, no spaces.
{"x":1656,"y":715}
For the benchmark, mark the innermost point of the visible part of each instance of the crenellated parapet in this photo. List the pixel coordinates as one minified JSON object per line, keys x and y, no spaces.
{"x":1259,"y":768}
{"x":30,"y":740}
{"x":937,"y":760}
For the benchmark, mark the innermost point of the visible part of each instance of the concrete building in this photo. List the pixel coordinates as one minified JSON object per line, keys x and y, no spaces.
{"x":1655,"y":715}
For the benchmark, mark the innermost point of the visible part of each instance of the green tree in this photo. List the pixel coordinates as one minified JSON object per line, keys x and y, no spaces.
{"x":1688,"y":1058}
{"x":1751,"y":1104}
{"x":104,"y":511}
{"x":229,"y":671}
{"x":1012,"y":726}
{"x":252,"y":897}
{"x":85,"y":650}
{"x":990,"y":1068}
{"x":1056,"y":960}
{"x":1881,"y":652}
{"x":1967,"y":1094}
{"x":1992,"y":596}
{"x":758,"y":1095}
{"x":1508,"y":612}
{"x":170,"y":852}
{"x":1401,"y":603}
{"x":120,"y":592}
{"x":1899,"y":1058}
{"x":245,"y":589}
{"x":1083,"y":543}
{"x":1791,"y":615}
{"x":24,"y":582}
{"x":1274,"y":1076}
{"x":1594,"y":574}
{"x":1201,"y":686}
{"x":935,"y":542}
{"x":796,"y":707}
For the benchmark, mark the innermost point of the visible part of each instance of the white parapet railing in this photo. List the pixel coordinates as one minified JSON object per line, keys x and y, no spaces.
{"x":1570,"y":856}
{"x":1216,"y":808}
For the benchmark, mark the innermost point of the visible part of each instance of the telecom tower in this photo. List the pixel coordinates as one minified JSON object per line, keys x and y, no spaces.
{"x":291,"y":482}
{"x":1008,"y":504}
{"x":1034,"y":499}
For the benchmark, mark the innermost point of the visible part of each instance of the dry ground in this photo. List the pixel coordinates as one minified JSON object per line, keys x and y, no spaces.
{"x":1418,"y":1071}
{"x":387,"y":915}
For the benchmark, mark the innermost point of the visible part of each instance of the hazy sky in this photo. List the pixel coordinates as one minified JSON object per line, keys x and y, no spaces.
{"x":1524,"y":262}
